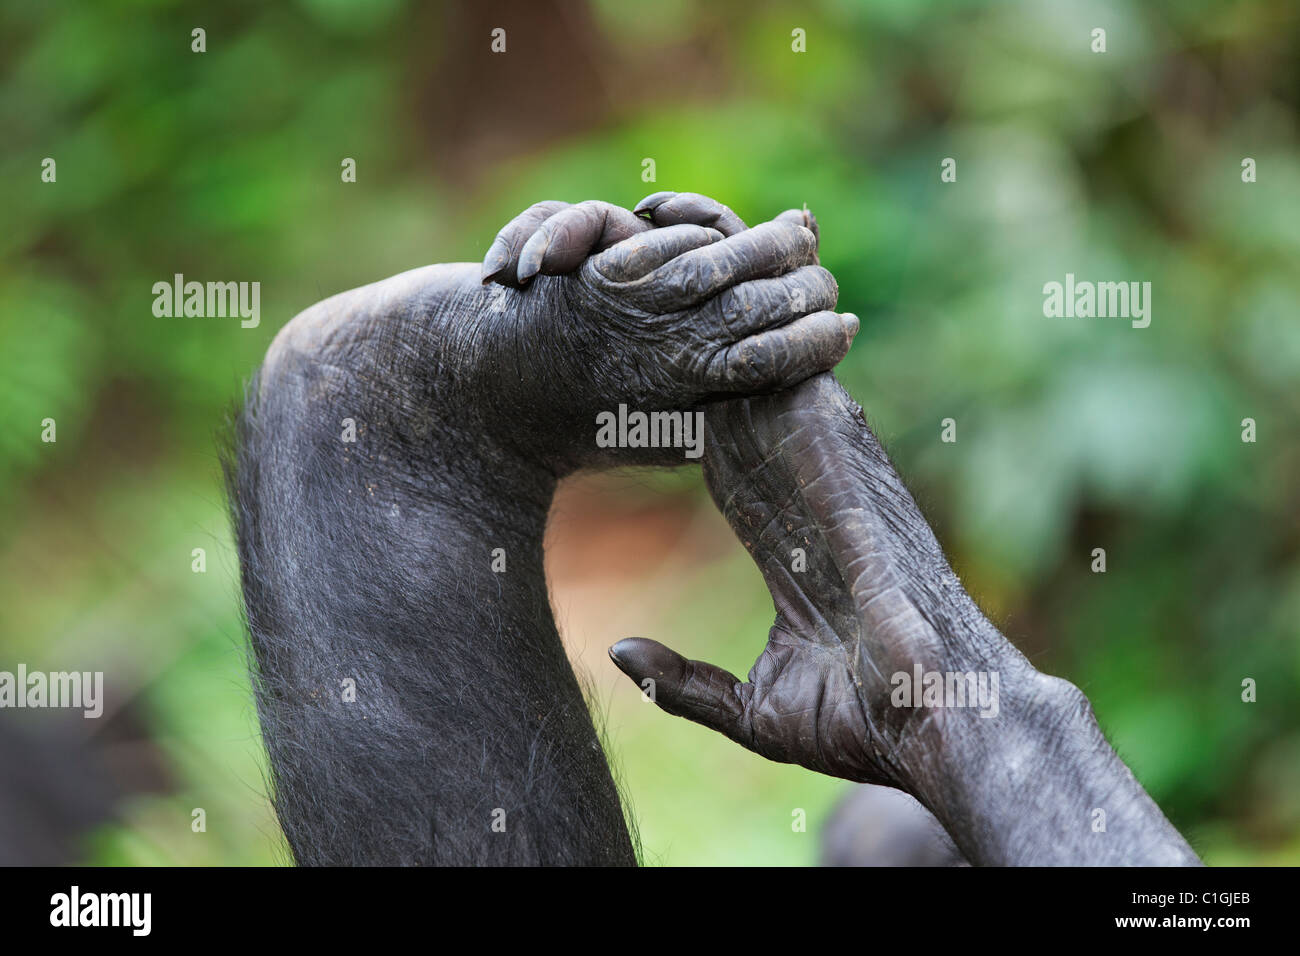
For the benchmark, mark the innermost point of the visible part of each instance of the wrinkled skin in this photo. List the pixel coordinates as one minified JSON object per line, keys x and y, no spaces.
{"x":370,"y":560}
{"x":391,"y":475}
{"x":800,"y":470}
{"x":663,"y":319}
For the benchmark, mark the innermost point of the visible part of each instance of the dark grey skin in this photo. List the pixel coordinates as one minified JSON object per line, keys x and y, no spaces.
{"x":800,"y":469}
{"x":369,"y":563}
{"x":371,"y":560}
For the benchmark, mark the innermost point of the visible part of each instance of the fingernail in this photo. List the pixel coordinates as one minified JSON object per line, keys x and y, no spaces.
{"x":529,"y":269}
{"x":495,"y":261}
{"x":651,"y":202}
{"x":630,"y":652}
{"x":619,"y":652}
{"x":533,"y":256}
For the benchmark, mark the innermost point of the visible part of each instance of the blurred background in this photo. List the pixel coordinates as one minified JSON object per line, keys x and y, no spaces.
{"x":1072,"y":434}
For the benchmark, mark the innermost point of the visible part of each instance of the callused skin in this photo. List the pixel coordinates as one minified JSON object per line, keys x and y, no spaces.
{"x":864,"y":595}
{"x":391,"y":477}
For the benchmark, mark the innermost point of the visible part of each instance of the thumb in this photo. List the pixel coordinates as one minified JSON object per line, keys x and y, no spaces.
{"x":696,"y":690}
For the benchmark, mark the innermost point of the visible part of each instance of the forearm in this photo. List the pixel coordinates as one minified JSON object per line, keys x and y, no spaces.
{"x":1027,"y":780}
{"x":1037,"y":784}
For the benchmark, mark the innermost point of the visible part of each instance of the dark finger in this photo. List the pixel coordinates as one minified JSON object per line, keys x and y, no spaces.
{"x":563,"y":241}
{"x":783,"y":357}
{"x":631,"y":259}
{"x":769,"y":249}
{"x":802,"y":217}
{"x":502,"y":257}
{"x":668,"y":209}
{"x":750,"y":307}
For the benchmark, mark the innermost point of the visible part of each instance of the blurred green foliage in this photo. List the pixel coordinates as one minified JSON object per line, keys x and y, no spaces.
{"x":1072,"y":433}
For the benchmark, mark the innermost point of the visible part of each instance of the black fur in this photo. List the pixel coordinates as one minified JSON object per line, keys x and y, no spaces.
{"x":372,"y":561}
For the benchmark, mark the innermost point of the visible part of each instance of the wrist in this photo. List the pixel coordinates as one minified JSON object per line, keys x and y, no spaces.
{"x":978,"y":739}
{"x":1037,"y":784}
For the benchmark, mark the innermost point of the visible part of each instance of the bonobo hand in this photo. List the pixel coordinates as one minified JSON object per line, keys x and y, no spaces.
{"x":554,"y":238}
{"x":661,"y":319}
